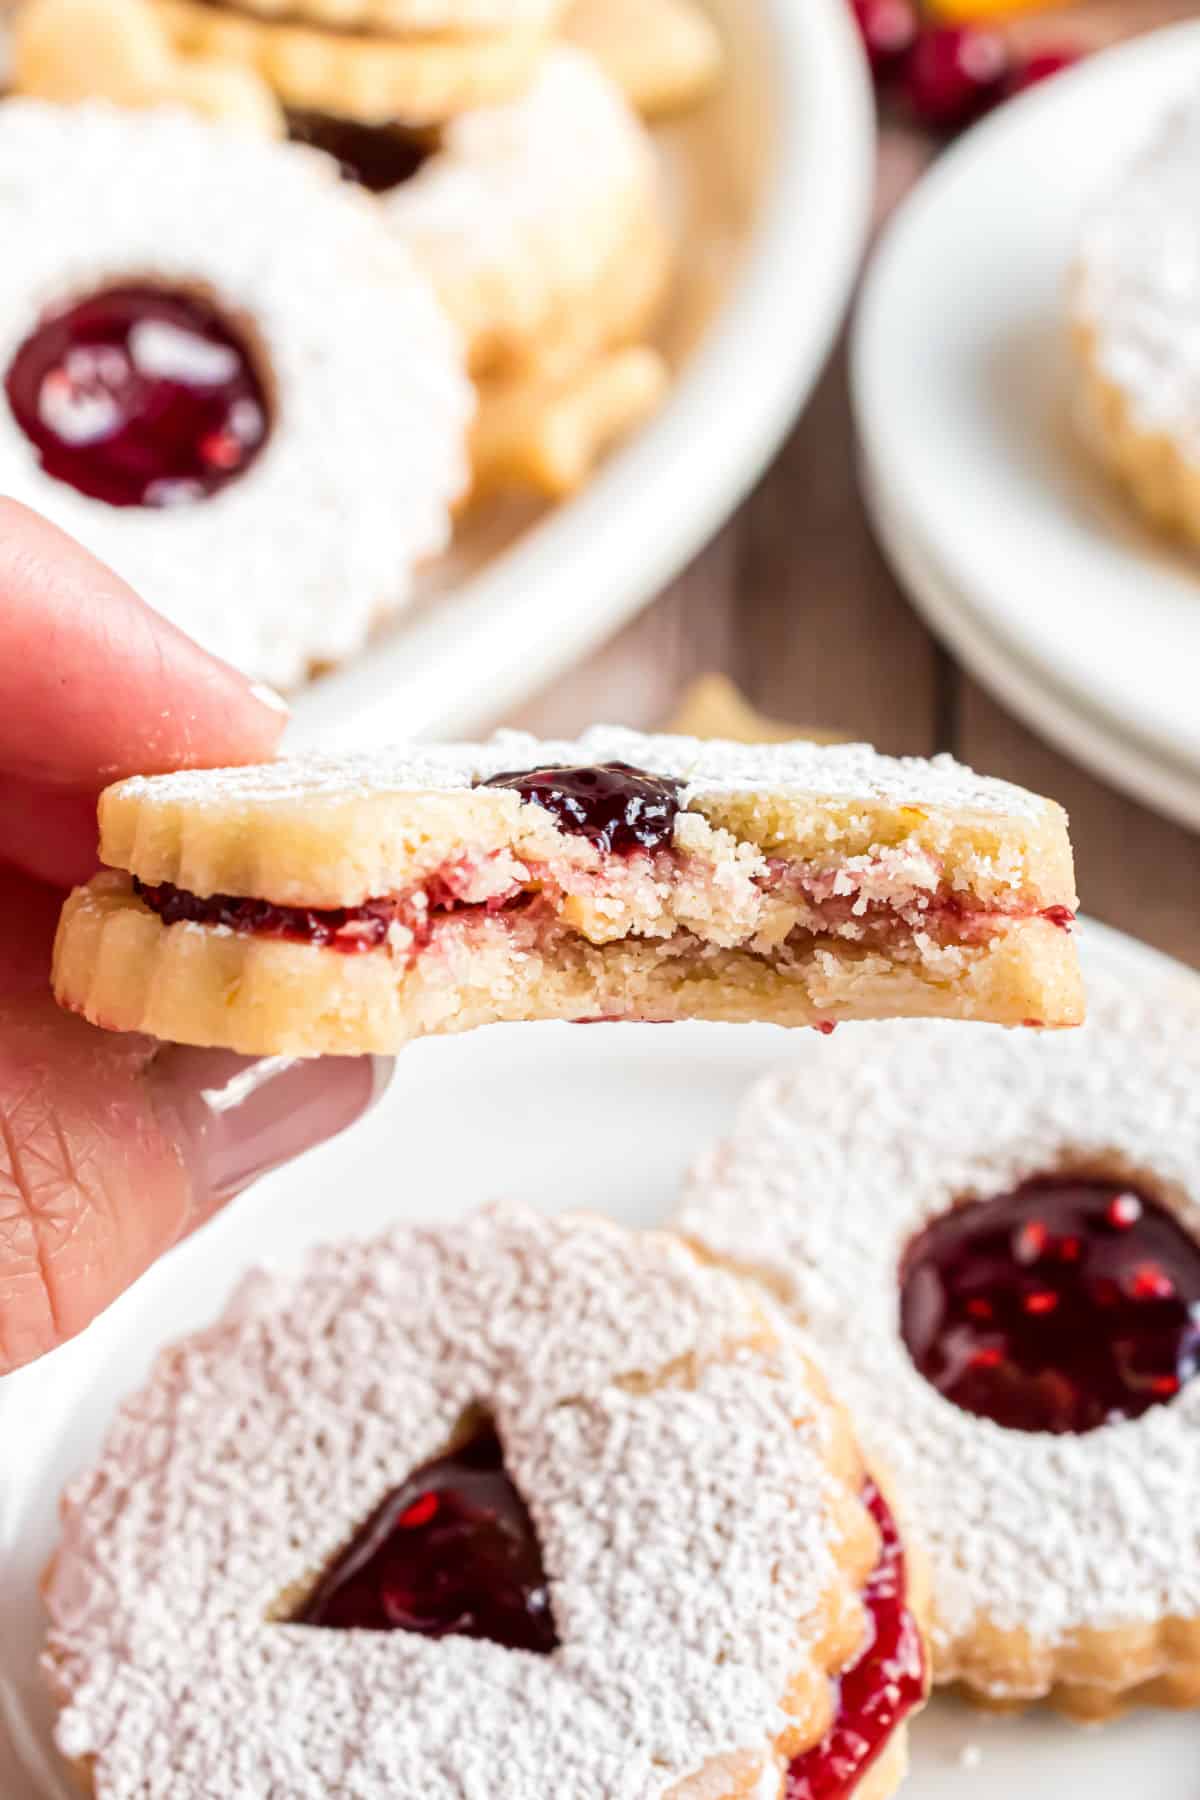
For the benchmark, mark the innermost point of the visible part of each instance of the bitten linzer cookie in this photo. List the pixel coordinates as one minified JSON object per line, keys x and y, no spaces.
{"x":176,"y":367}
{"x":350,"y":903}
{"x":995,"y":1239}
{"x":516,"y":1506}
{"x":1135,"y":317}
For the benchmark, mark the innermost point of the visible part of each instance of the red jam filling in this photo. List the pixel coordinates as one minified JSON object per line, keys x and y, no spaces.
{"x":351,"y":929}
{"x":139,"y":396}
{"x":613,"y":805}
{"x":1062,"y":1306}
{"x":877,"y":1693}
{"x":451,"y":1553}
{"x":377,"y":157}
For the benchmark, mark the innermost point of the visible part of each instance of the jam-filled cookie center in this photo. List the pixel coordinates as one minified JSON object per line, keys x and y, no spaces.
{"x":1062,"y":1306}
{"x":140,"y":396}
{"x":376,"y":157}
{"x":451,"y":1553}
{"x":613,"y":805}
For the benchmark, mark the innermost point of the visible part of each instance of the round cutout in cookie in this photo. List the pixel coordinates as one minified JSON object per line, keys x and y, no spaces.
{"x":1012,"y":1223}
{"x":193,"y":361}
{"x":671,"y":1574}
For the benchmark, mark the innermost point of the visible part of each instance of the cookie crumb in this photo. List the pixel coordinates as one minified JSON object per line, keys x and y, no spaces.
{"x":970,"y":1756}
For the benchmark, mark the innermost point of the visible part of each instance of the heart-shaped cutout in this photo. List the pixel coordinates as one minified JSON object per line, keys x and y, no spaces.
{"x":452,"y":1552}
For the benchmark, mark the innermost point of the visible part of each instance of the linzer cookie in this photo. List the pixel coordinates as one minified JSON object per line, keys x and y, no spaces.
{"x":537,"y":1507}
{"x":419,"y":78}
{"x":541,"y":222}
{"x":542,"y":225}
{"x":351,"y":903}
{"x":176,"y":369}
{"x":995,"y":1240}
{"x":1135,"y":307}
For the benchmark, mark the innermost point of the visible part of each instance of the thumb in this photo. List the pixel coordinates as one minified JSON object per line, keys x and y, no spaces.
{"x":112,"y":1149}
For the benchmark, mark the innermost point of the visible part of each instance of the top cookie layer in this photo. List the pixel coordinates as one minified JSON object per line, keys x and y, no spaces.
{"x":338,"y":830}
{"x":832,"y":1171}
{"x":661,"y":1427}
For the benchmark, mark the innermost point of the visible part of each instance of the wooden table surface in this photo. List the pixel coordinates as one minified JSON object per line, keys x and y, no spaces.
{"x":795,"y":602}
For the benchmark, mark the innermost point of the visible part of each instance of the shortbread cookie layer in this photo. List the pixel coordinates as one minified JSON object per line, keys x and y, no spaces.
{"x":695,"y":1587}
{"x":419,"y":80}
{"x":540,"y":221}
{"x":352,"y":903}
{"x":1011,"y":1223}
{"x":300,"y":286}
{"x":1135,"y":304}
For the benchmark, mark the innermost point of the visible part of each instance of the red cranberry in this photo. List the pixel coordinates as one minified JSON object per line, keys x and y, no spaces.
{"x":888,"y":29}
{"x":1058,"y":1307}
{"x":139,"y":397}
{"x":1038,"y":68}
{"x":613,"y":805}
{"x":377,"y":157}
{"x":451,"y":1553}
{"x":879,"y":1691}
{"x":954,"y":74}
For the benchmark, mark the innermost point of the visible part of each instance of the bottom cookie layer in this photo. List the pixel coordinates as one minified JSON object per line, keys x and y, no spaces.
{"x":117,"y":963}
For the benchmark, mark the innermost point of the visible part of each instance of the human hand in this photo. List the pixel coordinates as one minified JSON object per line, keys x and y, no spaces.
{"x":113,"y":1148}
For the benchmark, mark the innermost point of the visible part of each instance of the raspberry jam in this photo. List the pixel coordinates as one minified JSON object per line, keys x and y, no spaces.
{"x":877,"y":1693}
{"x":615,"y":806}
{"x":377,"y":157}
{"x":1064,"y":1305}
{"x":452,"y":1553}
{"x":139,"y":396}
{"x":350,"y":929}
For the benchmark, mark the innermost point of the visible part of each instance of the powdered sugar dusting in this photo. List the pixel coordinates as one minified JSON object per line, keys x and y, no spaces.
{"x":682,"y":1528}
{"x":291,"y":563}
{"x":802,"y":768}
{"x":521,"y":193}
{"x":1138,"y":282}
{"x":836,"y":1165}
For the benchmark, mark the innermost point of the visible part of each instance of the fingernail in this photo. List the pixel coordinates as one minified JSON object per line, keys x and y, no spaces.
{"x":236,"y":1118}
{"x":267,"y":696}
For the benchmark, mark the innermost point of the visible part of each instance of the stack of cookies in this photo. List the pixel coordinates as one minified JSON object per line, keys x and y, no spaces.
{"x":504,"y":141}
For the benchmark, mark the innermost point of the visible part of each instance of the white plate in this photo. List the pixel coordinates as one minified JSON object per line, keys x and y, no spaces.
{"x":961,"y":393}
{"x":773,"y":179}
{"x":1062,"y":718}
{"x":607,"y":1118}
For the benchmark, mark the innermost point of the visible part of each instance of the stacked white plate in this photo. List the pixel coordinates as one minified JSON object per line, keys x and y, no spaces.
{"x":1012,"y":544}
